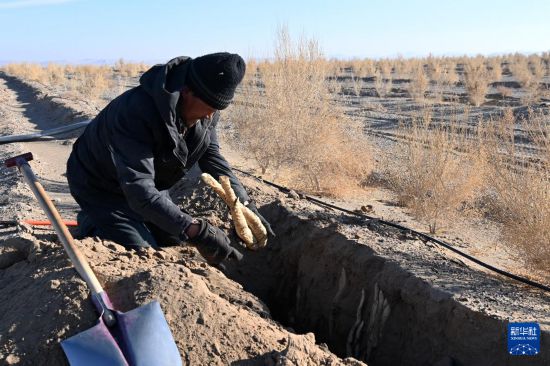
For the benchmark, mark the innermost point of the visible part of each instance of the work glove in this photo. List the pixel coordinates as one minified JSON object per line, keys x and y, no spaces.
{"x":254,"y":209}
{"x":213,"y":244}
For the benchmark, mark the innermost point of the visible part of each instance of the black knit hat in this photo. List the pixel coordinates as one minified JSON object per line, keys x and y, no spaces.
{"x":214,"y":77}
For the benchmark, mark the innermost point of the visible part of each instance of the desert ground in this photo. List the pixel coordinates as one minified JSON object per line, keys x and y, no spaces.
{"x":331,"y":288}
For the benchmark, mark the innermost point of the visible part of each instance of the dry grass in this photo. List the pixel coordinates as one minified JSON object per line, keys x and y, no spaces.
{"x":88,"y":82}
{"x":287,"y":122}
{"x":129,"y":69}
{"x":29,"y":71}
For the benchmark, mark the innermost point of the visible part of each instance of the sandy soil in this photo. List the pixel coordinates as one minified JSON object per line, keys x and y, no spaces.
{"x":366,"y":291}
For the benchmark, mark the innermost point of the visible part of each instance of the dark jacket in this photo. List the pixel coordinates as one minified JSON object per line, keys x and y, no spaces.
{"x":134,"y":148}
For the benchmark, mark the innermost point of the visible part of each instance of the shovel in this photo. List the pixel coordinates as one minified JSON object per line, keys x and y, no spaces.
{"x":138,"y":337}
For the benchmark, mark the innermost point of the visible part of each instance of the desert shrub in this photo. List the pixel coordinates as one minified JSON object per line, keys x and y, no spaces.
{"x":287,"y":122}
{"x":55,"y":74}
{"x":494,"y":66}
{"x":357,"y":84}
{"x":382,"y":83}
{"x":442,"y":74}
{"x":419,"y":82}
{"x":92,"y":81}
{"x":434,"y":68}
{"x":504,"y":91}
{"x":402,"y":67}
{"x":361,"y":68}
{"x":528,"y":72}
{"x":89,"y":81}
{"x":367,"y":68}
{"x":434,"y":171}
{"x":545,"y":56}
{"x":384,"y":66}
{"x":129,"y":69}
{"x":518,"y":188}
{"x":28,"y":71}
{"x":476,"y":80}
{"x":447,"y":78}
{"x":336,"y":67}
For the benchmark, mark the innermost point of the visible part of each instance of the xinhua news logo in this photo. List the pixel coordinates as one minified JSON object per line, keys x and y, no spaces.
{"x":523,"y":339}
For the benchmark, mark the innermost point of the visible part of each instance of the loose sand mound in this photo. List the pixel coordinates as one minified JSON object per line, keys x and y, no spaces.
{"x":213,"y":320}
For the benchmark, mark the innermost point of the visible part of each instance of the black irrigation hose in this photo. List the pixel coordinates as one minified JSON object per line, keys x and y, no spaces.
{"x":408,"y":230}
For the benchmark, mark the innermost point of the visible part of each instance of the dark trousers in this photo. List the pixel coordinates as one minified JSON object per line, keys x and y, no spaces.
{"x":115,"y":221}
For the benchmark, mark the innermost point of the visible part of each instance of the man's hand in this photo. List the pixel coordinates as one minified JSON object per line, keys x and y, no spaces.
{"x":254,"y":209}
{"x":211,"y":242}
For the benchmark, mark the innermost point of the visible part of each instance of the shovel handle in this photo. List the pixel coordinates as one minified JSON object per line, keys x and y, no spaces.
{"x":78,"y":260}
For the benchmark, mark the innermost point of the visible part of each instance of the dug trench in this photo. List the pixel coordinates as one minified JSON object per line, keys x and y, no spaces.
{"x":378,"y":295}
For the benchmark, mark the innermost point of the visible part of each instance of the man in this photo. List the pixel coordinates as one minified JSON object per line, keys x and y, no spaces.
{"x":143,"y":142}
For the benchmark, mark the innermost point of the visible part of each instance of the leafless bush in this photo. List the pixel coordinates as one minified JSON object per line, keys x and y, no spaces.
{"x":429,"y":175}
{"x":518,"y":193}
{"x":494,"y":65}
{"x":476,"y":80}
{"x":367,"y":68}
{"x":55,"y":74}
{"x":528,"y":72}
{"x":362,"y":67}
{"x":402,"y":67}
{"x":28,"y":71}
{"x":504,"y":92}
{"x":441,"y":72}
{"x":546,"y":59}
{"x":384,"y":66}
{"x":82,"y":81}
{"x":434,"y":68}
{"x":130,"y":69}
{"x":357,"y":83}
{"x":418,"y":81}
{"x":382,"y":83}
{"x":90,"y":80}
{"x":292,"y":128}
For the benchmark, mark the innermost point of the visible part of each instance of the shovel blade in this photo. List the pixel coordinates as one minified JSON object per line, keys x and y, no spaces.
{"x":143,"y":338}
{"x":95,"y":346}
{"x":146,"y":338}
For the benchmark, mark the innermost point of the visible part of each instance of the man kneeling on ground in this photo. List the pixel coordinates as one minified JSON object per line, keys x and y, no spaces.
{"x":146,"y":140}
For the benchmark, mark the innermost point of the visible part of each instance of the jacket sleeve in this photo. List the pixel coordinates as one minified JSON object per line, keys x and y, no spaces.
{"x":213,"y":163}
{"x":132,"y":156}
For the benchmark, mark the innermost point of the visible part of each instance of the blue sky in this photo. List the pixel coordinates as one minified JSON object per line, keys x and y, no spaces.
{"x":90,"y":30}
